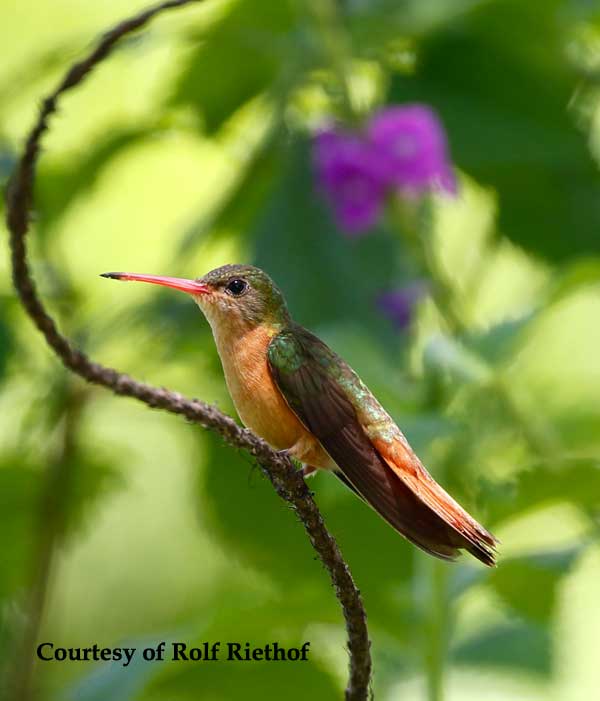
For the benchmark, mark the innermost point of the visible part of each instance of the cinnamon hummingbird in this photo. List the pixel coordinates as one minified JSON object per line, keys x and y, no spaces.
{"x":292,"y":390}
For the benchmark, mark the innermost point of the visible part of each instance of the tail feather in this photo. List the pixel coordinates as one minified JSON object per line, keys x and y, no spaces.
{"x":425,"y":528}
{"x":454,"y":528}
{"x":392,"y":481}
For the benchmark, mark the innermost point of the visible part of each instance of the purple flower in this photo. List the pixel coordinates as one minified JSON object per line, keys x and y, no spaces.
{"x":412,"y":148}
{"x":349,"y":174}
{"x":398,"y":305}
{"x":402,"y":150}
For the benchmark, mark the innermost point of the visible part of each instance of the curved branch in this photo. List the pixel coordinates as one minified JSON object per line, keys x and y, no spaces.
{"x":287,"y":482}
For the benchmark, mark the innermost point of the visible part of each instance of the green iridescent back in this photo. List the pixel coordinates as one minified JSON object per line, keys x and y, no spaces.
{"x":295,"y":349}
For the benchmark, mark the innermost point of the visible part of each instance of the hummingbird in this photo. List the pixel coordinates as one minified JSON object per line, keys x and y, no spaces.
{"x":291,"y":389}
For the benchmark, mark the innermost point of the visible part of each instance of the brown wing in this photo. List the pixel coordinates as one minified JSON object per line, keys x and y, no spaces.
{"x":393,"y":482}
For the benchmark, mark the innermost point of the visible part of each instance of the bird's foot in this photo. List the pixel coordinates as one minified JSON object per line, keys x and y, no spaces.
{"x":287,"y":453}
{"x":306,"y":470}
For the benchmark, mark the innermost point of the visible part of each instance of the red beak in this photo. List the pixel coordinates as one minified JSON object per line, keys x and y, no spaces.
{"x":192,"y":287}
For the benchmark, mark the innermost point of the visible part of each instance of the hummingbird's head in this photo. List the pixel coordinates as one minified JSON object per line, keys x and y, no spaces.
{"x":242,"y":295}
{"x":232,"y":295}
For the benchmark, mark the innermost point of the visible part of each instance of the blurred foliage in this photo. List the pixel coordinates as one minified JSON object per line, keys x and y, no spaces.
{"x":528,"y":150}
{"x":219,"y":77}
{"x":190,"y":148}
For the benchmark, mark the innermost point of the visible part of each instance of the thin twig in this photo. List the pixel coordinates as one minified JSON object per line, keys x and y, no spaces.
{"x":288,"y":484}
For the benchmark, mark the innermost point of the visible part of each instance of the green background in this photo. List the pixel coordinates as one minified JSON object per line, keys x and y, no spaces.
{"x":189,"y":148}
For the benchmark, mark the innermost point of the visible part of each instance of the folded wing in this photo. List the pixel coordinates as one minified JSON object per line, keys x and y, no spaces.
{"x":382,"y":469}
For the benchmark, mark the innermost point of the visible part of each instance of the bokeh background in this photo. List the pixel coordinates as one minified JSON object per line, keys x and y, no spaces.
{"x":190,"y":148}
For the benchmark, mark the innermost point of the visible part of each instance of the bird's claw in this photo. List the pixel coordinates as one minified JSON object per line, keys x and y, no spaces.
{"x":305,"y":470}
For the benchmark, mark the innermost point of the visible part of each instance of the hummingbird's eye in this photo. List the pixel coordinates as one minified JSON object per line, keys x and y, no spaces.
{"x":237,"y":287}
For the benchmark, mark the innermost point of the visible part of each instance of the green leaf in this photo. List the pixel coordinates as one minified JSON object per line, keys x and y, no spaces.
{"x":237,"y":60}
{"x":528,"y":584}
{"x":574,"y":481}
{"x":452,"y":360}
{"x":498,"y":343}
{"x":578,"y":276}
{"x":375,"y":24}
{"x":509,"y":646}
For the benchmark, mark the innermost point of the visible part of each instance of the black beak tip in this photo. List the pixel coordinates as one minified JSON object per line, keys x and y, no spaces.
{"x":112,"y":276}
